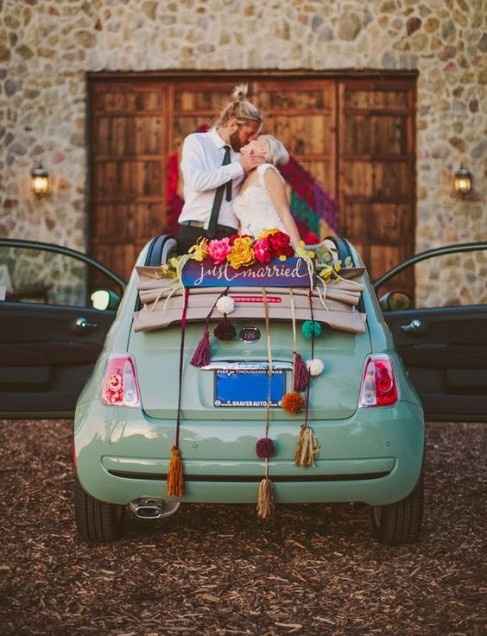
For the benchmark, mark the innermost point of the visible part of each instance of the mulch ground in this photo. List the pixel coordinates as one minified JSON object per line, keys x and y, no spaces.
{"x":217,"y":570}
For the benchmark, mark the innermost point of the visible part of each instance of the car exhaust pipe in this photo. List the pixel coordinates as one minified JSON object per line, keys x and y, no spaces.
{"x":149,"y":508}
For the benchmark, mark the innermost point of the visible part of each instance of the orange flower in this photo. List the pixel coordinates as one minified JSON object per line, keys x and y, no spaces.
{"x":265,"y":233}
{"x":242,"y":253}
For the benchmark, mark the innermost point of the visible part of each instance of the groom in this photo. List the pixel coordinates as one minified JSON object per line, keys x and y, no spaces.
{"x":212,"y":171}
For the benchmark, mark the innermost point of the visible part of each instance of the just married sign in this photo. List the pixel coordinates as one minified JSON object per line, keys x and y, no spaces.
{"x":293,"y":272}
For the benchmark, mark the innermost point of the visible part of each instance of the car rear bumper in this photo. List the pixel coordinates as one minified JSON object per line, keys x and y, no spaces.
{"x":374,"y":457}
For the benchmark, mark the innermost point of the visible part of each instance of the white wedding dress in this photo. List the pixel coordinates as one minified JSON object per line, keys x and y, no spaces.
{"x":253,"y":206}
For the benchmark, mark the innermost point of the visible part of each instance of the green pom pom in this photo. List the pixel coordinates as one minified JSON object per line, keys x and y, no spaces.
{"x":311,"y":328}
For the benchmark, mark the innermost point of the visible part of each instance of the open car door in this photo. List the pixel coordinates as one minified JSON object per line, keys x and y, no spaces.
{"x":50,"y":332}
{"x":443,"y":338}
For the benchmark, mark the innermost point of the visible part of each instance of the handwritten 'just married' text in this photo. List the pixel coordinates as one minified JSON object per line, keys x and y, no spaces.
{"x":292,"y":272}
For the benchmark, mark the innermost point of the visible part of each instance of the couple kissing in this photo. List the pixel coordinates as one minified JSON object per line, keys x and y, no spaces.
{"x":231,"y":181}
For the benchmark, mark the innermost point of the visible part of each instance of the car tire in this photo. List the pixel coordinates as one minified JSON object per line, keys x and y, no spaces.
{"x":399,"y":523}
{"x":97,"y":521}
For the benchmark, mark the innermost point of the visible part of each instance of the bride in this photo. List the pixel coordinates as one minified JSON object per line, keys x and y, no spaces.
{"x":262,"y":202}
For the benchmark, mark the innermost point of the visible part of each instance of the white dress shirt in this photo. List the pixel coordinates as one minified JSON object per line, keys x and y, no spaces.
{"x":201,"y":165}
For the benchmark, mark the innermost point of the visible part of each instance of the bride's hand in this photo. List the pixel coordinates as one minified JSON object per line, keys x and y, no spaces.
{"x":249,"y":162}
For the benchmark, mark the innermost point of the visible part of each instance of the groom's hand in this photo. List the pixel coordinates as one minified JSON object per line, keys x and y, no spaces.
{"x":249,"y":162}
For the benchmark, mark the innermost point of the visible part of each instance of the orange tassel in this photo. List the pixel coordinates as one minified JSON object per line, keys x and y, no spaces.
{"x":308,"y":447}
{"x":175,"y":476}
{"x":293,"y":402}
{"x":265,"y":499}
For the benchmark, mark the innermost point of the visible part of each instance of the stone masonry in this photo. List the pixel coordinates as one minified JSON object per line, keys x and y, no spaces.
{"x":47,"y":46}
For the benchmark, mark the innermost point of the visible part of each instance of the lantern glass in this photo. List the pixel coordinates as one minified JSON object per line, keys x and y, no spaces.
{"x":462,"y":181}
{"x":40,"y":181}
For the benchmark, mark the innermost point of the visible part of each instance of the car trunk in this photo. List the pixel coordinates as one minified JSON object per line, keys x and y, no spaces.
{"x":334,"y":394}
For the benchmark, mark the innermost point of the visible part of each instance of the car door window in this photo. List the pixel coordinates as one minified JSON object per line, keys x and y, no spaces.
{"x":30,"y":275}
{"x":445,"y":280}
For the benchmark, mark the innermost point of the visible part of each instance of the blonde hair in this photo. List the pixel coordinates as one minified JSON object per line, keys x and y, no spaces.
{"x":277,"y":153}
{"x":239,"y":108}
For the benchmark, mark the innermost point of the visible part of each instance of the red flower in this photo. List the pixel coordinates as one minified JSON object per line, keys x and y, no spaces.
{"x":280,"y":244}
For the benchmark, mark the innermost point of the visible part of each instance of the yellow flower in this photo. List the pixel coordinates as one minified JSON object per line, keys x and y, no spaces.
{"x":265,"y":233}
{"x":199,"y":251}
{"x":327,"y":273}
{"x":166,"y":271}
{"x":174,"y":262}
{"x":330,"y":271}
{"x":302,"y":252}
{"x":242,"y":253}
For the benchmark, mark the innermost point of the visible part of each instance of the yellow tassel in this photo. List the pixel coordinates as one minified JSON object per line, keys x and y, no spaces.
{"x":307,"y":448}
{"x":265,"y":502}
{"x":175,"y":477}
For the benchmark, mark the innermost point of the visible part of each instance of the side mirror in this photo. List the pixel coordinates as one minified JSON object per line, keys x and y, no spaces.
{"x":395,"y":301}
{"x":105,"y":300}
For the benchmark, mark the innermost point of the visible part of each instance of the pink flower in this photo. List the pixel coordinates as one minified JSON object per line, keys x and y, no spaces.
{"x":262,"y":251}
{"x":218,"y":250}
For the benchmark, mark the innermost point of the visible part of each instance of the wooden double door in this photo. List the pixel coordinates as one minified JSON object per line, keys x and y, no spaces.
{"x":355,"y":136}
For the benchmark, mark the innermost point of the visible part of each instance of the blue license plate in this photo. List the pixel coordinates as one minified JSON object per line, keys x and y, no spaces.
{"x":248,"y":387}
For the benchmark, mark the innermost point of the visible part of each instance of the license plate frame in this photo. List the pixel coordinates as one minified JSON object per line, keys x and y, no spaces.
{"x":247,"y":388}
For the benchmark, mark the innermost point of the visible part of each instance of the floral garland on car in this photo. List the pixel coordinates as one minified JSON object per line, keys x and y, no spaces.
{"x":242,"y":250}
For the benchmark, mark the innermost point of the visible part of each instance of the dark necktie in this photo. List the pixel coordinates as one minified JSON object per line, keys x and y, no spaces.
{"x":217,"y":201}
{"x":226,"y":161}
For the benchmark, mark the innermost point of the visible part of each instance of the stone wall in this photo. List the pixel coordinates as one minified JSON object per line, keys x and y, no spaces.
{"x":46,"y":47}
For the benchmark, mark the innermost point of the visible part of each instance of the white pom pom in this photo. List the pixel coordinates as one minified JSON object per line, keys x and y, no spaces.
{"x":315,"y":366}
{"x":225,"y":305}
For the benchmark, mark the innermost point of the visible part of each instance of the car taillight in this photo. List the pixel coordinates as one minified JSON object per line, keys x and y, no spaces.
{"x":120,"y":386}
{"x":379,"y":386}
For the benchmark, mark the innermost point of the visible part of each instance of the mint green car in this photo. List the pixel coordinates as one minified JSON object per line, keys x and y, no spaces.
{"x":371,"y":445}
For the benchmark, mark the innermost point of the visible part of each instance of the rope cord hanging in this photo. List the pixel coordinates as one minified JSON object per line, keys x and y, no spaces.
{"x":202,"y":354}
{"x":292,"y":401}
{"x":300,"y":371}
{"x":265,"y":447}
{"x":308,"y":446}
{"x":306,"y":410}
{"x":175,"y":475}
{"x":269,"y":363}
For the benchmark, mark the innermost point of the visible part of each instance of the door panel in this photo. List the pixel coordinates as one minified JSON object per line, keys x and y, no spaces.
{"x":45,"y":359}
{"x":377,"y":171}
{"x":129,"y":148}
{"x":302,"y":114}
{"x":50,"y":336}
{"x":447,"y":359}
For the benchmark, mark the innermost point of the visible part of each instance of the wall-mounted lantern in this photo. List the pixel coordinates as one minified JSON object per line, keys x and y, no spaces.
{"x":40,"y":180}
{"x":462,"y":182}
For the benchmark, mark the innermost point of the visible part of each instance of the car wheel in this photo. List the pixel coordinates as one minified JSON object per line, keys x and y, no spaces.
{"x":97,"y":521}
{"x":400,"y":522}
